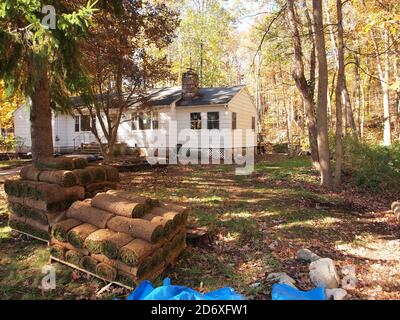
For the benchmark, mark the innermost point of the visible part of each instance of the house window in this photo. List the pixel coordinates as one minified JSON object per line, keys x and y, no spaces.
{"x":155,"y":121}
{"x":144,"y":121}
{"x":77,"y":118}
{"x":234,"y":120}
{"x":134,"y":121}
{"x":195,"y":121}
{"x":212,"y":120}
{"x":85,"y":123}
{"x":253,"y":123}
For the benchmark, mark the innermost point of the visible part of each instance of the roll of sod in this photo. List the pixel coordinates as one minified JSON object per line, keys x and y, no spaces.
{"x":97,"y":187}
{"x":112,"y":174}
{"x":79,"y":163}
{"x":107,"y":272}
{"x":83,"y":177}
{"x":13,"y":187}
{"x":170,"y":212}
{"x":88,"y":263}
{"x":168,"y":224}
{"x":98,"y":173}
{"x":94,"y":240}
{"x":60,"y":230}
{"x":29,"y":173}
{"x":127,"y":279}
{"x":67,"y":246}
{"x":167,"y":249}
{"x":83,"y":211}
{"x":135,"y":251}
{"x":63,"y":178}
{"x":62,"y":163}
{"x":144,"y":267}
{"x":77,"y":235}
{"x":118,"y":206}
{"x":57,"y":251}
{"x":148,"y":203}
{"x":137,"y":228}
{"x":73,"y":257}
{"x":111,"y":245}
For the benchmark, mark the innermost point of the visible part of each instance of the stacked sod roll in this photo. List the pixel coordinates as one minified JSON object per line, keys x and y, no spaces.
{"x":40,"y":197}
{"x":121,"y":237}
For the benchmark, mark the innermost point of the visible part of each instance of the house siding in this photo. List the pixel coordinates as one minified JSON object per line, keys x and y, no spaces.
{"x":22,"y":128}
{"x":245,"y":109}
{"x":144,"y":138}
{"x":63,"y":131}
{"x":183,"y":118}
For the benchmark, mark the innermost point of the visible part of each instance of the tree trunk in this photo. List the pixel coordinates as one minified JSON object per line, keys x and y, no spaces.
{"x":348,"y":114}
{"x":396,"y":74}
{"x":357,"y":94}
{"x":384,"y":80}
{"x":339,"y":92}
{"x":40,"y":117}
{"x":322,"y":117}
{"x":302,"y":85}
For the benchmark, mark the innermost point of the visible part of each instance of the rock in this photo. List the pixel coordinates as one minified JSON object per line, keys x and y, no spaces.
{"x":395,"y":205}
{"x":348,"y":270}
{"x":255,"y":285}
{"x":323,"y":273}
{"x":282,"y":278}
{"x":273,"y":245}
{"x":335,"y":294}
{"x":349,"y":281}
{"x":307,"y":255}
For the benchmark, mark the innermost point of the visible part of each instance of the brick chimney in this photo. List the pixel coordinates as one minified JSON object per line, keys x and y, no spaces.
{"x":190,"y":85}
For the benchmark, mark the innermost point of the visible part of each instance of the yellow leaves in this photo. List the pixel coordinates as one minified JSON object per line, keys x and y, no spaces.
{"x":395,"y":86}
{"x":8,"y":106}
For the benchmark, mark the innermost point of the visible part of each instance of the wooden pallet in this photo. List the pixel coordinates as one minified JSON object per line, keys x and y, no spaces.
{"x":31,"y":236}
{"x":52,"y":259}
{"x":154,"y":273}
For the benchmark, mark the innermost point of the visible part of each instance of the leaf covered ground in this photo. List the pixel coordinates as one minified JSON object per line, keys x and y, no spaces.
{"x":256,"y":223}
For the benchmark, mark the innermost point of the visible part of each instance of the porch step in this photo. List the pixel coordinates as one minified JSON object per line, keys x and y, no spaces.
{"x":89,"y":149}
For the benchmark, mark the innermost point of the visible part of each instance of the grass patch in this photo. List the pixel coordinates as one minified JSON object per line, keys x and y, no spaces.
{"x":12,"y":163}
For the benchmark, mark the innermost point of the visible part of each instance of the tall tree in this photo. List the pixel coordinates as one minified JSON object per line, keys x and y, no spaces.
{"x":305,"y":88}
{"x":322,"y":116}
{"x":340,"y":92}
{"x":349,"y":121}
{"x":123,"y":59}
{"x":41,"y":62}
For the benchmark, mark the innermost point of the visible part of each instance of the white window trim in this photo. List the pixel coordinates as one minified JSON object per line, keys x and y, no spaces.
{"x":151,"y":121}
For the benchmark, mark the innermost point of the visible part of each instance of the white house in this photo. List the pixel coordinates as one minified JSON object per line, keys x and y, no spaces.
{"x":180,"y":117}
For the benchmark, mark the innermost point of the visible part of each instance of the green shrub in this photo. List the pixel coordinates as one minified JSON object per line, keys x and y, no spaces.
{"x":372,"y":166}
{"x":280,"y":148}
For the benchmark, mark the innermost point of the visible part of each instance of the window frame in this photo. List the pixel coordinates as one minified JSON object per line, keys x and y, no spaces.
{"x":134,"y":121}
{"x":155,"y":122}
{"x":194,"y":123}
{"x":234,"y":120}
{"x":83,"y":127}
{"x":253,"y":123}
{"x":137,"y":123}
{"x":213,"y":124}
{"x":77,"y":124}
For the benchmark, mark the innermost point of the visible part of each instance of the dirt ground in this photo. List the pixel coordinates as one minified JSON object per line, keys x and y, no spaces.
{"x":257,"y":223}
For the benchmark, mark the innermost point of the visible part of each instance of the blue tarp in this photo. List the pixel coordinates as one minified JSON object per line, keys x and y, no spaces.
{"x":146,"y":291}
{"x":286,"y":292}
